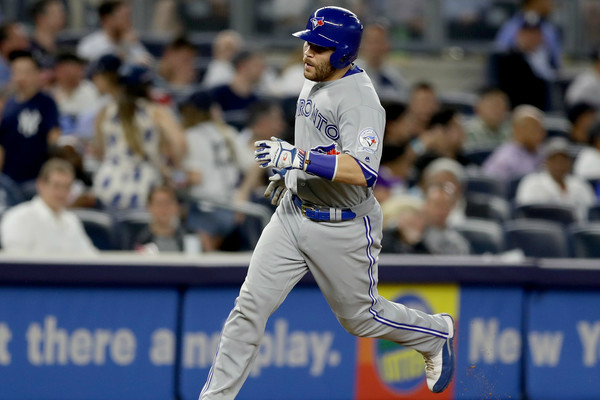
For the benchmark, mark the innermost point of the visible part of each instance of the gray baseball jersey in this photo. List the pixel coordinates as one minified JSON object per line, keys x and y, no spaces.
{"x":345,"y":112}
{"x":342,"y":256}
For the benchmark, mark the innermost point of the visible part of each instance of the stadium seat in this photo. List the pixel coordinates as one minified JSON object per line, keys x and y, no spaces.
{"x":584,"y":240}
{"x":484,"y":236}
{"x":485,"y":184}
{"x":594,"y":213}
{"x":557,"y":126}
{"x":511,"y":188}
{"x":490,"y":207}
{"x":562,"y":214}
{"x":99,"y":226}
{"x":536,"y":238}
{"x":129,"y":224}
{"x":478,"y":156}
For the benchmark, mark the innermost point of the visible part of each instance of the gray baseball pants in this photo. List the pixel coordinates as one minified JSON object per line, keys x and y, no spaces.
{"x":342,"y":256}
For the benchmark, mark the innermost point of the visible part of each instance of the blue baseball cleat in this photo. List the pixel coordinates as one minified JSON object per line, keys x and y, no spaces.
{"x":440,"y":368}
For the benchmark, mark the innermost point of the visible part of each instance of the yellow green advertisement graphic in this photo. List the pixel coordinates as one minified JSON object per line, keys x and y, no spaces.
{"x":386,"y":370}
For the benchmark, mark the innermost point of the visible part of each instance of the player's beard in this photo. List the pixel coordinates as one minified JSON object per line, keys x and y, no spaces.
{"x":320,"y":73}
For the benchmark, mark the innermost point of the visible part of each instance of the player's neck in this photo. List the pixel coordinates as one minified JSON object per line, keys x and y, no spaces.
{"x":337,"y":74}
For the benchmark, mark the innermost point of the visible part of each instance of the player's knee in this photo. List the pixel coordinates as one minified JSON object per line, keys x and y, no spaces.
{"x":249,"y":316}
{"x":361,"y":326}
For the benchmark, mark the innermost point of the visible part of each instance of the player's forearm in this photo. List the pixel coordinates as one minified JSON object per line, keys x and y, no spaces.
{"x":348,"y":171}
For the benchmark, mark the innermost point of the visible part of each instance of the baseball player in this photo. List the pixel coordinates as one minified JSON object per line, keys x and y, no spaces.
{"x":328,"y":221}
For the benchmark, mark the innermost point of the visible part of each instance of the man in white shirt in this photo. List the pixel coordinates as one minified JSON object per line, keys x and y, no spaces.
{"x":220,"y":70}
{"x":73,"y":93}
{"x":43,"y":225}
{"x":554,"y":184}
{"x":586,"y":86}
{"x":115,"y":37}
{"x":587,"y":165}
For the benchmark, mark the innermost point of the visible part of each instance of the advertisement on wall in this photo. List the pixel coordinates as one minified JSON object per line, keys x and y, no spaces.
{"x":305,"y":353}
{"x":563,"y":360}
{"x":79,"y":344}
{"x":386,"y":370}
{"x":490,"y":349}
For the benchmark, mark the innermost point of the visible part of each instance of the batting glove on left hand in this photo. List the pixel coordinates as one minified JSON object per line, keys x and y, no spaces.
{"x":278,"y":153}
{"x":276,"y":188}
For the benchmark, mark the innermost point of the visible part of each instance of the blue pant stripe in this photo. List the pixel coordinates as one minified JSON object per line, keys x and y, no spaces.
{"x":376,"y":316}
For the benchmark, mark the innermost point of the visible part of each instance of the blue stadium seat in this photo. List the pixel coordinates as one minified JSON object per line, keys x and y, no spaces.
{"x":511,"y":187}
{"x":594,"y":213}
{"x":585,"y":240}
{"x":484,"y":236}
{"x":557,"y":126}
{"x":485,"y":184}
{"x":478,"y":156}
{"x":99,"y":226}
{"x":130,"y":223}
{"x":562,"y":214}
{"x":485,"y":206}
{"x":536,"y":238}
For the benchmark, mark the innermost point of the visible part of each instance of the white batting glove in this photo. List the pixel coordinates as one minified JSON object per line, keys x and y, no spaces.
{"x":276,"y":188}
{"x":278,"y":153}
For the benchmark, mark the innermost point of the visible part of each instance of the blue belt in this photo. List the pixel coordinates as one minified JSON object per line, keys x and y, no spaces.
{"x":323,"y":214}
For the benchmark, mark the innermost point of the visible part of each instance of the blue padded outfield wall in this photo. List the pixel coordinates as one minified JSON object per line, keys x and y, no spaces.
{"x":156,"y":339}
{"x":86,"y":343}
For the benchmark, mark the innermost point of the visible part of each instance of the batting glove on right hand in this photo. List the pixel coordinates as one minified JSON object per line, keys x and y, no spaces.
{"x":276,"y":188}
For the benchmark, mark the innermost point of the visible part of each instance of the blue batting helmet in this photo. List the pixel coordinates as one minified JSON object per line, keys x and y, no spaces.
{"x":334,"y":27}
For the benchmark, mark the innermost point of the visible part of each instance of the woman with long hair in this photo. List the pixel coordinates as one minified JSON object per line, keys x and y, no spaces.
{"x":136,"y":140}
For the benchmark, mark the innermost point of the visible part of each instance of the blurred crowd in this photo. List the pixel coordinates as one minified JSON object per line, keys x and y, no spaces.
{"x":108,"y":146}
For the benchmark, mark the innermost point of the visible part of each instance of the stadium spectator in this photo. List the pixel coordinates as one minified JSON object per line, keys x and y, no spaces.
{"x":582,"y":117}
{"x":73,"y":94}
{"x":177,"y":68}
{"x":220,"y":70}
{"x":444,"y":137}
{"x":587,"y":164}
{"x":49,"y":18}
{"x":130,"y":133}
{"x":395,"y":171}
{"x":374,"y":51}
{"x":512,"y":69}
{"x":521,"y":155}
{"x":490,"y":127}
{"x":104,"y":74}
{"x":12,"y":37}
{"x":399,"y":126}
{"x":265,"y":119}
{"x":439,"y":237}
{"x":404,"y":226}
{"x":287,"y":84}
{"x":116,"y":36}
{"x":71,"y":149}
{"x":554,"y":184}
{"x":235,"y":98}
{"x":546,"y":59}
{"x":215,"y":163}
{"x":43,"y":225}
{"x":30,"y":126}
{"x":585,"y":88}
{"x":423,"y":103}
{"x":165,"y":230}
{"x":449,"y":175}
